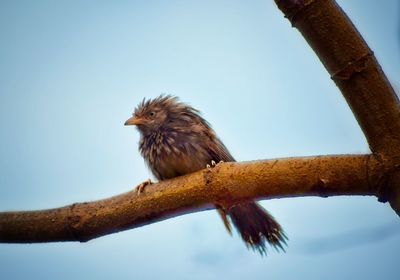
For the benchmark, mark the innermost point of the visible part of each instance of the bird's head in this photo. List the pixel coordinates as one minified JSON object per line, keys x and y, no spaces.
{"x":163,"y":112}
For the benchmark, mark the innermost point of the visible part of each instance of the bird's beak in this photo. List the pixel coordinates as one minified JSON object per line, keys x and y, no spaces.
{"x":134,"y":121}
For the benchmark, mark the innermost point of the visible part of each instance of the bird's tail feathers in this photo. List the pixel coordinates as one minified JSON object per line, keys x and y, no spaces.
{"x":256,"y":226}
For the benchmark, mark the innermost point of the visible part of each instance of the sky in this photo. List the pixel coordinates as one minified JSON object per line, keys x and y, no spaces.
{"x":71,"y":73}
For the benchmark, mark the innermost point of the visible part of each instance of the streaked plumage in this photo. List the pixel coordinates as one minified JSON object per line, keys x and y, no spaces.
{"x":176,"y":140}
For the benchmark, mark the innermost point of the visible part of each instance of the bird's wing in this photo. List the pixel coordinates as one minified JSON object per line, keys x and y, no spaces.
{"x":218,"y":152}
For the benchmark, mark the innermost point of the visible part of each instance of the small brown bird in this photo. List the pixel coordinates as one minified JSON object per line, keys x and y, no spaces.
{"x":176,"y":140}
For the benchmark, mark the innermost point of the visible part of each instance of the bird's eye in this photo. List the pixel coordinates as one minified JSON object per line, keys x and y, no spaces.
{"x":152,"y":114}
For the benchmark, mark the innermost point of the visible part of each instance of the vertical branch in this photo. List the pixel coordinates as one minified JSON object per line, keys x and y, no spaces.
{"x":355,"y":70}
{"x":352,"y":66}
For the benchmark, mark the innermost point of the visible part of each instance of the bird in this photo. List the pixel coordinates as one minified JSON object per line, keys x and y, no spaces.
{"x":176,"y":140}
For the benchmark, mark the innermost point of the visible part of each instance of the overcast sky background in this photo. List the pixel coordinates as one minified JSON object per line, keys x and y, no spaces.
{"x":71,"y":73}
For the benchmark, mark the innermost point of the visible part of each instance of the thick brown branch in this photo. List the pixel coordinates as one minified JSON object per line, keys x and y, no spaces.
{"x":353,"y":67}
{"x":225,"y":184}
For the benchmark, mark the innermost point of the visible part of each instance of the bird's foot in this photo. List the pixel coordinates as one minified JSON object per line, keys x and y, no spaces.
{"x":213,"y":164}
{"x":140,"y":188}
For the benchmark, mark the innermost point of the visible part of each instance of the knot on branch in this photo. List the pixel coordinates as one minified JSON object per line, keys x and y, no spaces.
{"x":72,"y":223}
{"x":389,"y":191}
{"x":291,"y":9}
{"x":320,"y":187}
{"x":377,"y":175}
{"x":353,"y":67}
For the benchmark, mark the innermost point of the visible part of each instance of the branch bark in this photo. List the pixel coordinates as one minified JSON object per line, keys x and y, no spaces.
{"x":358,"y":75}
{"x":224,"y":184}
{"x":355,"y":71}
{"x":352,"y":66}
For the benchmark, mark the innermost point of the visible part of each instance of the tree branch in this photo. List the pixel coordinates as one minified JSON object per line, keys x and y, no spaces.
{"x":356,"y":72}
{"x":224,"y":184}
{"x":353,"y":67}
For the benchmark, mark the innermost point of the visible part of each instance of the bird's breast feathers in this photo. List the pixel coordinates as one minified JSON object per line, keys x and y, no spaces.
{"x":173,"y":154}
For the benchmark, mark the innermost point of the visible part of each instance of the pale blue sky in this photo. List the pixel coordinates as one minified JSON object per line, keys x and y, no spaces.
{"x":71,"y":72}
